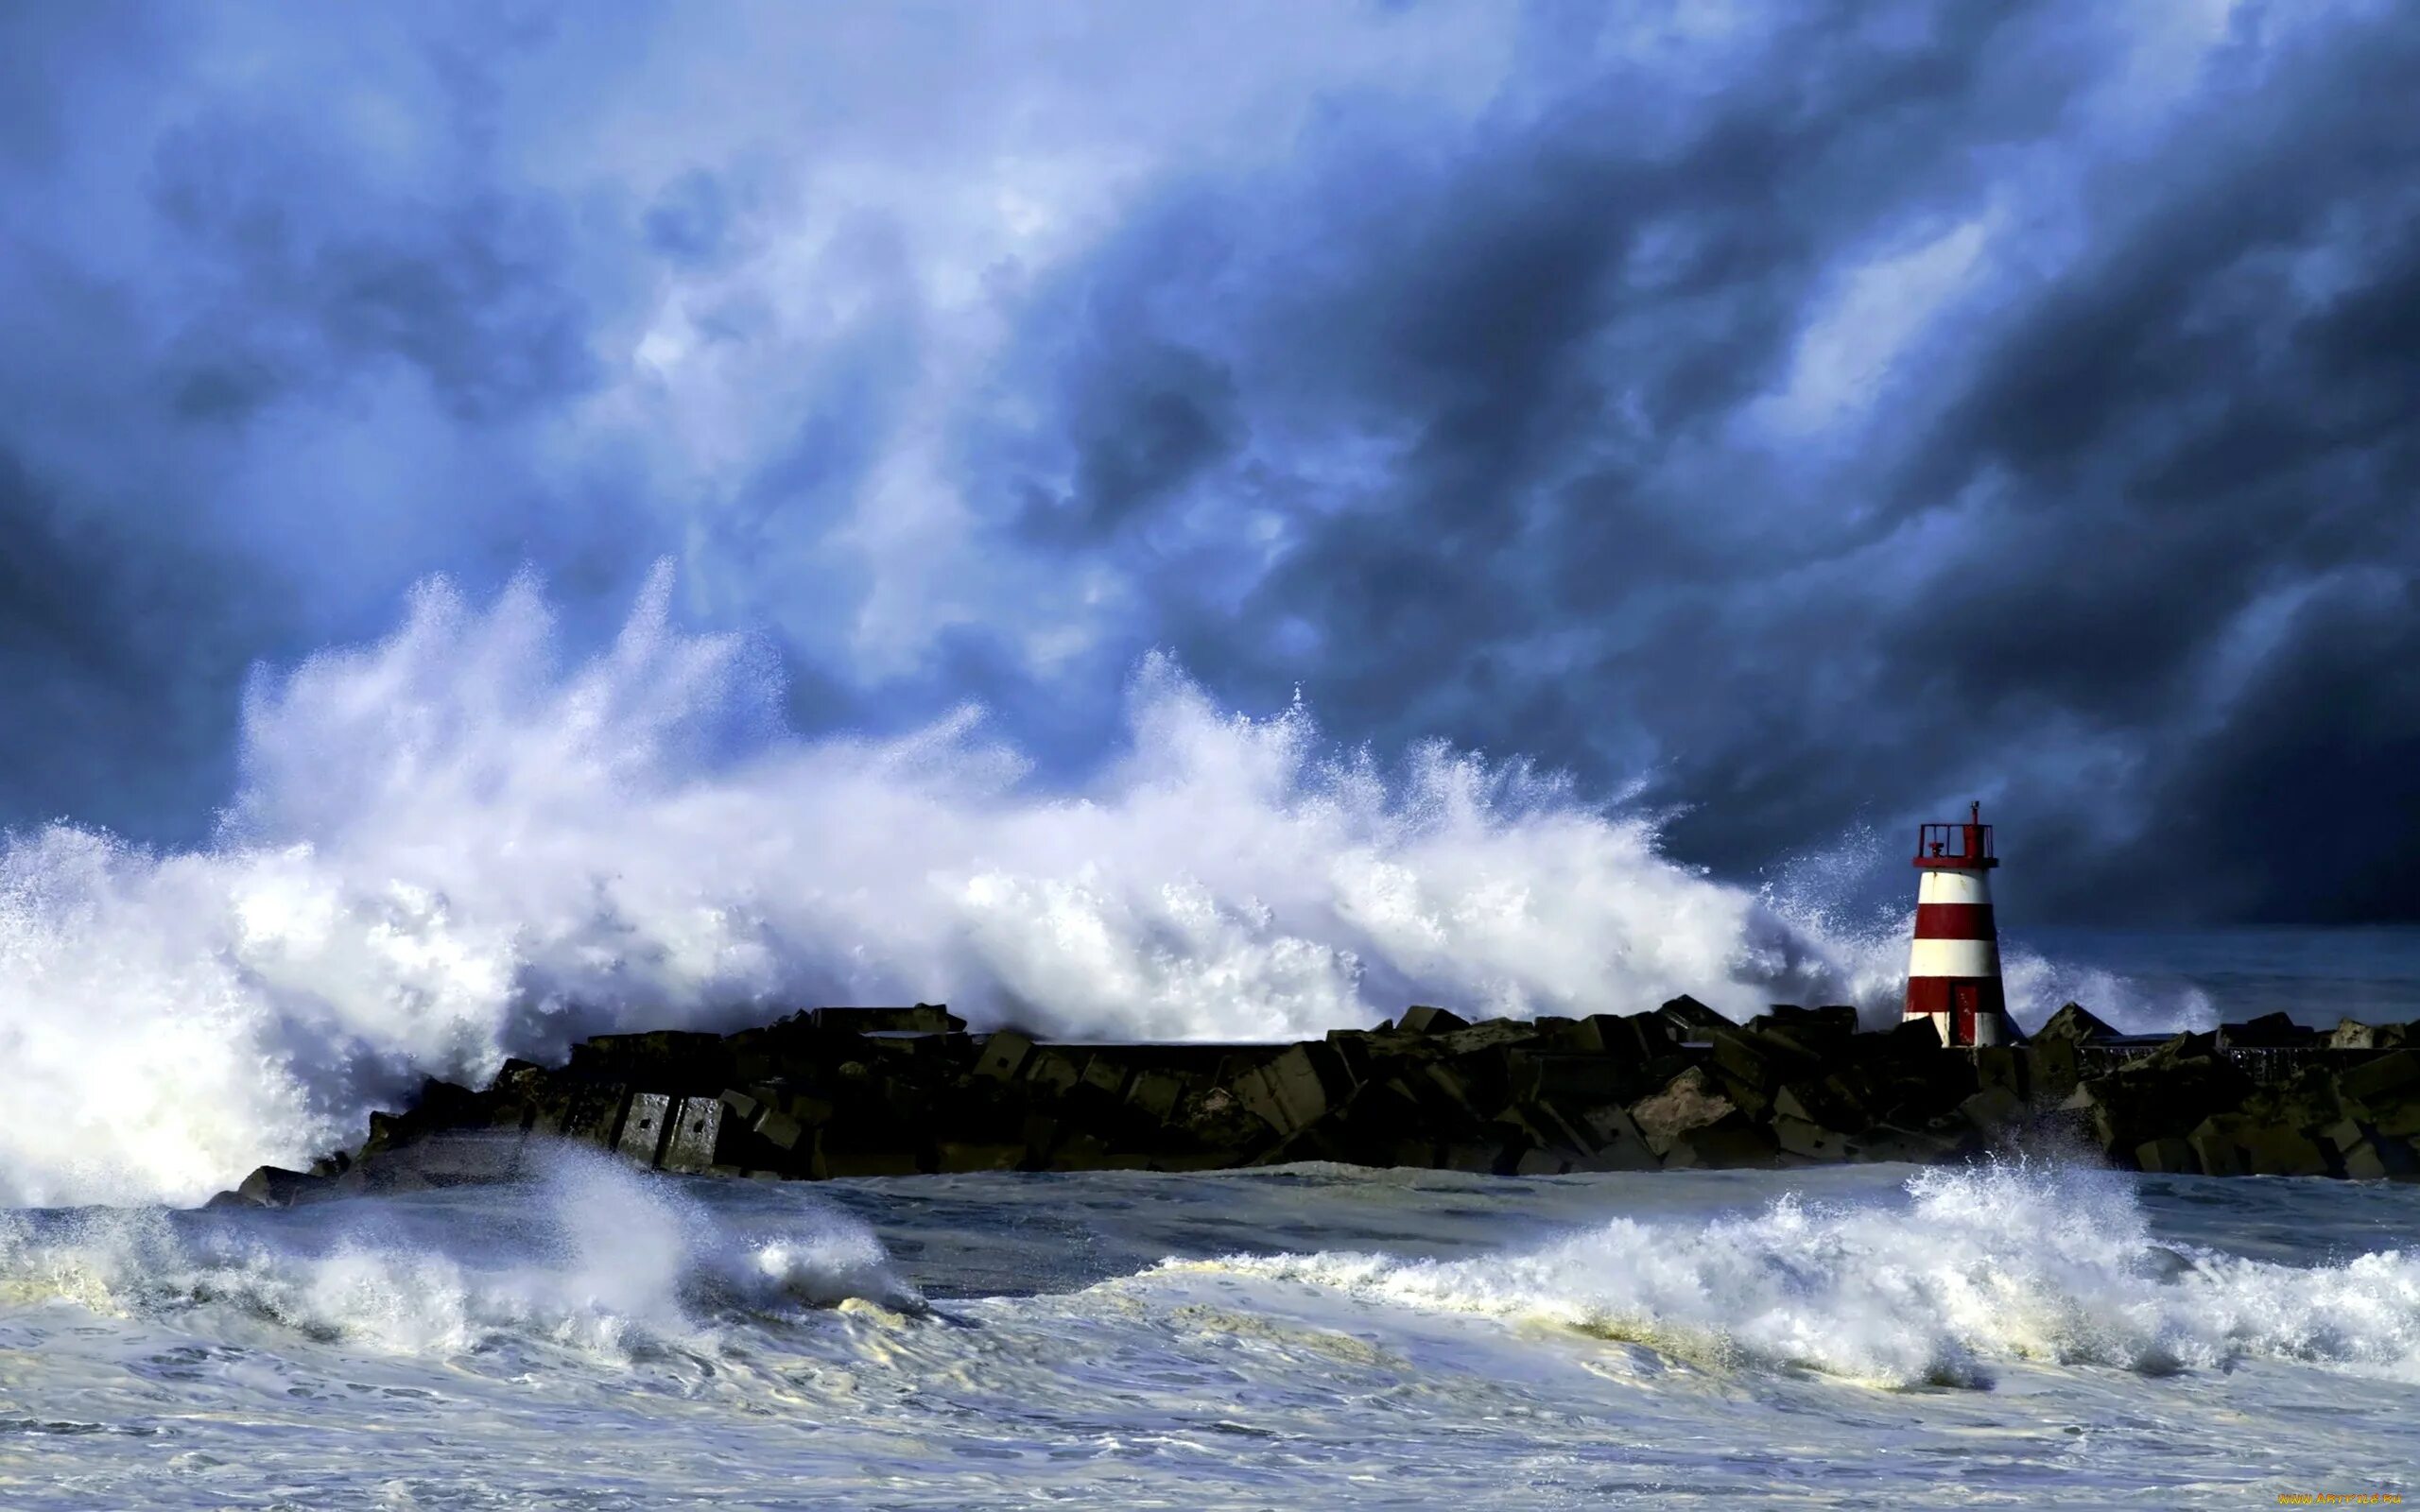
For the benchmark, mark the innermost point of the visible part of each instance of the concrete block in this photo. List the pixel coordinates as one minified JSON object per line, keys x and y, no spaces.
{"x":1688,"y":1020}
{"x":1540,"y":1162}
{"x":1567,"y":1077}
{"x":1003,"y":1054}
{"x":646,"y":1124}
{"x":1727,"y":1146}
{"x":1795,"y":1136}
{"x":696,"y":1130}
{"x":922,"y":1018}
{"x":1615,"y":1141}
{"x":1156,"y":1092}
{"x":780,"y":1130}
{"x":1051,"y":1070}
{"x":1994,"y":1107}
{"x":2074,"y":1024}
{"x":1491,"y":1035}
{"x":1105,"y":1076}
{"x":2006,"y":1067}
{"x":1422,"y":1019}
{"x":2380,"y":1085}
{"x":1477,"y":1156}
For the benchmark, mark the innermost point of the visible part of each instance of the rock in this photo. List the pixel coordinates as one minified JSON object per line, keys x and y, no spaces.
{"x":271,"y":1186}
{"x":2075,"y":1025}
{"x":2351,"y":1034}
{"x":839,"y":1093}
{"x":1690,"y":1102}
{"x":2168,"y":1092}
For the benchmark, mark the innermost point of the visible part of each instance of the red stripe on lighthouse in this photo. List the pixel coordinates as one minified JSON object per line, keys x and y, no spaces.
{"x":1954,"y":922}
{"x":1936,"y":995}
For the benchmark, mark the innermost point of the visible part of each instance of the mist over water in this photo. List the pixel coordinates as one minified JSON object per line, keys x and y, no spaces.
{"x":456,"y":846}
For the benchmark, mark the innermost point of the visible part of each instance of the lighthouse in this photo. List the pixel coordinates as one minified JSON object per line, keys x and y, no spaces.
{"x":1954,"y":971}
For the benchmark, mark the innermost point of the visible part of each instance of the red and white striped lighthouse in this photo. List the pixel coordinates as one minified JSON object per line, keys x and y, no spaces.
{"x":1954,"y":971}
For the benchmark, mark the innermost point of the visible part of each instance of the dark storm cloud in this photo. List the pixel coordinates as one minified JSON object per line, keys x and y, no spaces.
{"x":2058,"y":567}
{"x":1833,"y":418}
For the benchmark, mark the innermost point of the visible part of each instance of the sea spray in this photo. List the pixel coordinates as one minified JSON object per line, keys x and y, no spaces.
{"x":1975,"y":1266}
{"x":453,"y":847}
{"x":609,"y":1261}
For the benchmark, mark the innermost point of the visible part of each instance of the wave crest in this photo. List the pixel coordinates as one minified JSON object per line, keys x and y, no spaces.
{"x":1992,"y":1264}
{"x":451,"y":847}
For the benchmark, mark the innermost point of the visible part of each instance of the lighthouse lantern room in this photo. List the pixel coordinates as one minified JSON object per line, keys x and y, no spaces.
{"x":1954,"y":970}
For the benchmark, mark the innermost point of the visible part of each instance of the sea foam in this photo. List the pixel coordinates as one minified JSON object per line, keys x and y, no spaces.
{"x":616,"y":1262}
{"x":1977,"y":1267}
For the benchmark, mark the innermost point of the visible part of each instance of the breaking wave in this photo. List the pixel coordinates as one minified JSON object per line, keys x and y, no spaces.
{"x":450,"y":847}
{"x":622,"y":1263}
{"x":1979,"y":1266}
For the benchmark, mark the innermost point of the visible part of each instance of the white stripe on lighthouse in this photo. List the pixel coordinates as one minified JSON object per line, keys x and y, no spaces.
{"x":1954,"y":887}
{"x":1954,"y":958}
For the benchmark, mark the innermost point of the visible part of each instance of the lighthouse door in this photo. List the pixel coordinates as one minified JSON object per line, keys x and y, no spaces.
{"x":1964,"y":999}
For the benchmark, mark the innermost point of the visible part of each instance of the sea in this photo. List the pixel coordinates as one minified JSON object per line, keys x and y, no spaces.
{"x":598,"y":1336}
{"x":464,"y":843}
{"x":601,"y":1337}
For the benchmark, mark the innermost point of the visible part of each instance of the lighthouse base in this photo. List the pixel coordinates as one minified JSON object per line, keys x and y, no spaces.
{"x":1963,"y":1011}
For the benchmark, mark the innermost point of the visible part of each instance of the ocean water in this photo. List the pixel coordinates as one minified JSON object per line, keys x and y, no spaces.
{"x":607,"y":1338}
{"x":2196,"y":977}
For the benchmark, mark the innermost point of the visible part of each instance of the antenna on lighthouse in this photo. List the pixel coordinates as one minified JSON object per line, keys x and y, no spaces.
{"x":1954,"y":968}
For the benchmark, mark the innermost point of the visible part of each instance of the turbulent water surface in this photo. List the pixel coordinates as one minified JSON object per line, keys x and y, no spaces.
{"x":605,"y":1338}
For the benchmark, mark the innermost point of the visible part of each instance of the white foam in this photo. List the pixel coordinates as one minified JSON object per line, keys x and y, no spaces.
{"x":1979,"y":1267}
{"x":449,"y":848}
{"x":630,"y":1263}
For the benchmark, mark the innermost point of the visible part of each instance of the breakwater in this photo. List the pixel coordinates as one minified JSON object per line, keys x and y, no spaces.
{"x":834,"y":1092}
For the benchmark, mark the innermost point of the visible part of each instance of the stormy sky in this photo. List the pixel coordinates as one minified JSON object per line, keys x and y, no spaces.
{"x":1816,"y":415}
